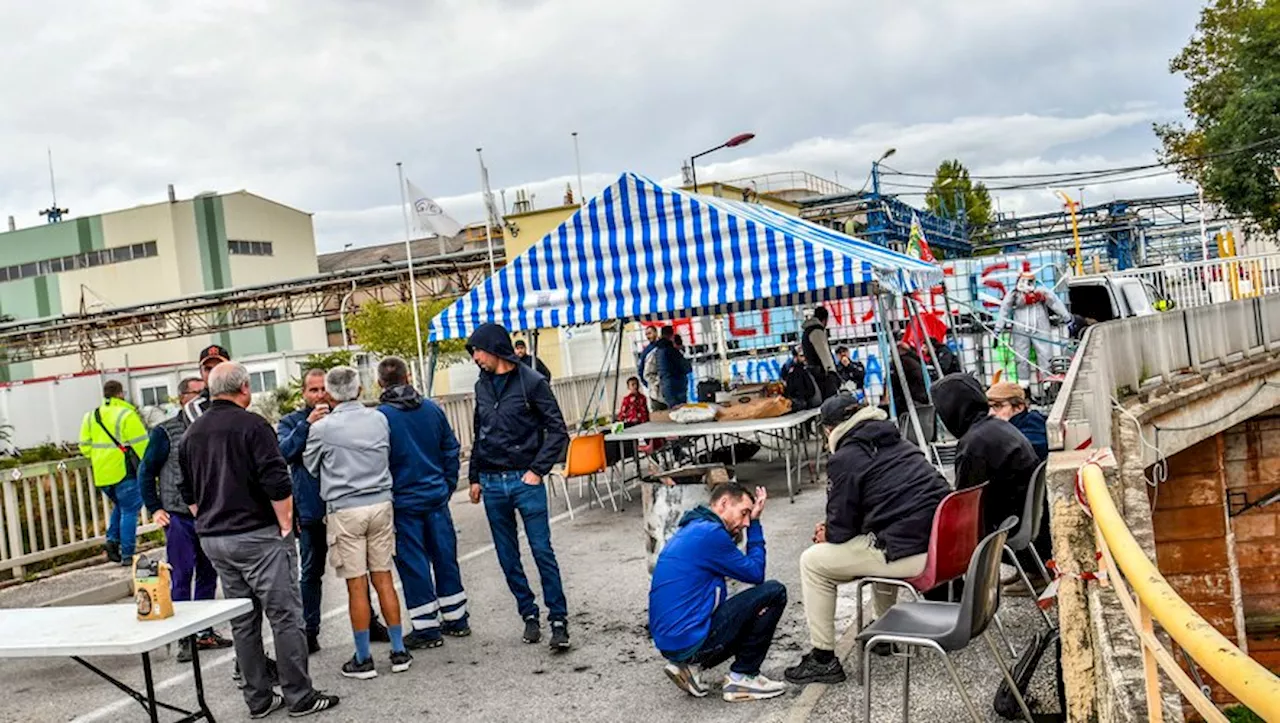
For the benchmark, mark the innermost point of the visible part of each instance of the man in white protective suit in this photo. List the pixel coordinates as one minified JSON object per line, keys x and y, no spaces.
{"x":1032,"y":309}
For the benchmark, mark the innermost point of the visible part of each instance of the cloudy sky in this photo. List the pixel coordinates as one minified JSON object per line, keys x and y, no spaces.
{"x":312,"y":102}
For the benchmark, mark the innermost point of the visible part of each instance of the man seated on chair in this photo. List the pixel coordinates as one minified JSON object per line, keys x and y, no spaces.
{"x":694,"y":624}
{"x":1008,"y":401}
{"x":880,"y":504}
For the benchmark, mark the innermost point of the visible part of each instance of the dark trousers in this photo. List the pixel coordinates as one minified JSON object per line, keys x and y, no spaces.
{"x":193,"y":575}
{"x":313,"y":550}
{"x":742,"y":629}
{"x":427,"y":558}
{"x":505,"y":494}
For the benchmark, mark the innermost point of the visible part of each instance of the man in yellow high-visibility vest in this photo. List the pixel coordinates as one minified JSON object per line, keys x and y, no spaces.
{"x":114,"y":439}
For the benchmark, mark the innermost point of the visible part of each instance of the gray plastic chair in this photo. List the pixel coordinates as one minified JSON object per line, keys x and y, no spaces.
{"x":928,"y":424}
{"x":1028,"y":528}
{"x":944,"y":627}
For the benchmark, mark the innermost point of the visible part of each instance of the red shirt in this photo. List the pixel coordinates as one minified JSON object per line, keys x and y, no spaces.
{"x":635,"y":409}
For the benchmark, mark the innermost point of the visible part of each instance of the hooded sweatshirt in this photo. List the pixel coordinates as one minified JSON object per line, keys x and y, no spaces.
{"x":990,"y":449}
{"x":880,"y":484}
{"x":688,"y":580}
{"x":424,"y":450}
{"x":518,"y":424}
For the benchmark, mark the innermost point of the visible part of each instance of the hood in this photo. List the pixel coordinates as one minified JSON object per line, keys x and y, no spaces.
{"x":811,"y":323}
{"x":494,"y":339}
{"x":402,"y":396}
{"x":960,"y":402}
{"x":699,"y":513}
{"x":866,"y":432}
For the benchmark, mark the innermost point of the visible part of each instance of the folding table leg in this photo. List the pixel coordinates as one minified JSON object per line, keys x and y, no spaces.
{"x":199,"y":680}
{"x":151,"y":688}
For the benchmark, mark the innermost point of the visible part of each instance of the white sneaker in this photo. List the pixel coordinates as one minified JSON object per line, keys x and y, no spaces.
{"x":752,"y":687}
{"x":686,"y":678}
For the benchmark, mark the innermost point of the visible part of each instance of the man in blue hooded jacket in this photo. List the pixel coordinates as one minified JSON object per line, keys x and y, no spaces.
{"x":519,"y":436}
{"x":424,"y":472}
{"x":309,"y":509}
{"x":694,"y":624}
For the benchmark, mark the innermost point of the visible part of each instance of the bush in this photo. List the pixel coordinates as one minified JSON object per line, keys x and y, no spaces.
{"x":1241,"y":714}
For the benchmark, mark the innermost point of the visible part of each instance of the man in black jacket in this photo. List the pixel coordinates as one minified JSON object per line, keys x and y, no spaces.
{"x":880,"y":504}
{"x":522,"y":351}
{"x":915,"y":381}
{"x":237,"y":485}
{"x":990,"y":449}
{"x":519,"y":436}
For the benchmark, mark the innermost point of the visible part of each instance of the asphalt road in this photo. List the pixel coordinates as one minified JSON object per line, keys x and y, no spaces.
{"x":612,"y":673}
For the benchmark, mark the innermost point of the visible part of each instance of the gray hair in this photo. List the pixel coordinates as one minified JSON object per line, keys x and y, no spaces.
{"x":342,"y":383}
{"x":228,"y":378}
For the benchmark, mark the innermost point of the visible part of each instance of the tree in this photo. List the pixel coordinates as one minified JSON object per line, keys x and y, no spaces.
{"x":953,"y":190}
{"x":387,"y":329}
{"x":1230,"y":145}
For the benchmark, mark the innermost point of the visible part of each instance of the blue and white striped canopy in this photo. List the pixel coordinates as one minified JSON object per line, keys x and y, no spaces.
{"x":641,"y":251}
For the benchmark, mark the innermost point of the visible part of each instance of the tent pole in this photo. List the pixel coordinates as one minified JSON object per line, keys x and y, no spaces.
{"x":597,"y":387}
{"x":431,"y":368}
{"x":902,"y":379}
{"x":951,"y":321}
{"x":617,"y":369}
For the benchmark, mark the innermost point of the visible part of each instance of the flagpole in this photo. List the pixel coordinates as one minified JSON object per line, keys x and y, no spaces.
{"x":413,"y":285}
{"x":488,"y":217}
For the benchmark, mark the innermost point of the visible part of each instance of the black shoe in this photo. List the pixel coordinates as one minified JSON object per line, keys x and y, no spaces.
{"x":378,"y":632}
{"x":184,"y":650}
{"x":277,"y":702}
{"x":400,"y":661}
{"x":460,"y":631}
{"x":422,"y":640}
{"x":359,"y":670}
{"x":113,"y":550}
{"x":316,"y":703}
{"x":313,"y":643}
{"x":532,"y":630}
{"x":811,"y":671}
{"x":559,"y":635}
{"x":126,"y":561}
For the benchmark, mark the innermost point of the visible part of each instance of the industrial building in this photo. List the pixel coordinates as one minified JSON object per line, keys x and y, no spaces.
{"x":152,"y":253}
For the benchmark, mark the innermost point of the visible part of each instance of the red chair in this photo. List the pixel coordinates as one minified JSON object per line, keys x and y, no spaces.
{"x":951,"y":545}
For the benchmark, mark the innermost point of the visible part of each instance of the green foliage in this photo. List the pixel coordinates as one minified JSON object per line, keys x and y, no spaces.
{"x":953,"y":190}
{"x":1230,"y":144}
{"x":387,"y":329}
{"x":43,"y":453}
{"x":1241,"y":714}
{"x":326,"y":361}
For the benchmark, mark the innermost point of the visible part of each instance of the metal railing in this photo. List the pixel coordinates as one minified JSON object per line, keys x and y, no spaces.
{"x":1202,"y":283}
{"x":1242,"y":676}
{"x":1122,"y":357}
{"x":784,"y":181}
{"x":52,"y":508}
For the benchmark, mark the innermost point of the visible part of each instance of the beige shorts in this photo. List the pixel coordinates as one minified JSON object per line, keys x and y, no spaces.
{"x":361,"y":540}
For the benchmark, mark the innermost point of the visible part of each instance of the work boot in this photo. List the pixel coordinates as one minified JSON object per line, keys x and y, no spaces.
{"x":113,"y":550}
{"x":810,"y":670}
{"x":559,"y":635}
{"x":184,"y":650}
{"x":456,"y":631}
{"x":423,"y":639}
{"x":532,"y":630}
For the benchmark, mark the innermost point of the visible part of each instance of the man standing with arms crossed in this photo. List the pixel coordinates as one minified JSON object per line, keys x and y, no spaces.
{"x":237,"y":486}
{"x":519,"y":436}
{"x":159,"y":476}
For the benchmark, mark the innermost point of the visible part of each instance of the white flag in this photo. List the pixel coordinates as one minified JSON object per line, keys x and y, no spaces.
{"x":430,"y":216}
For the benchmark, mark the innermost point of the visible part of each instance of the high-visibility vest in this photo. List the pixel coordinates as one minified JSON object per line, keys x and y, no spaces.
{"x":125,"y":424}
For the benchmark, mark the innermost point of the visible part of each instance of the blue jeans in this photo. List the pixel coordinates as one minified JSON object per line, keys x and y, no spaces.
{"x":313,"y":548}
{"x":742,"y":628}
{"x":126,"y":502}
{"x":504,"y":495}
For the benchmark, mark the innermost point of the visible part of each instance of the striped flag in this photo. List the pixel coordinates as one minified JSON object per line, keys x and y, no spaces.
{"x":917,"y":246}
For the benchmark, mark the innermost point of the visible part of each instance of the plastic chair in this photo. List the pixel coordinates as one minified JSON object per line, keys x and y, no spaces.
{"x":951,"y":545}
{"x":928,"y":424}
{"x":586,"y":458}
{"x":1028,"y":528}
{"x":944,"y":627}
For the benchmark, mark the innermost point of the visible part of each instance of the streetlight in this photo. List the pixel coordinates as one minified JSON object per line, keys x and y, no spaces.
{"x":731,"y":143}
{"x":875,"y":168}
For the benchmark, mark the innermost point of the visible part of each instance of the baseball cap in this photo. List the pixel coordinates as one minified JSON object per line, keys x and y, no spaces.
{"x":214,"y":351}
{"x":839,"y":408}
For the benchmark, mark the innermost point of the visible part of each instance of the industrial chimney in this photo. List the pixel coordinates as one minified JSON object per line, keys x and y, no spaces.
{"x":13,"y":225}
{"x":173,"y":197}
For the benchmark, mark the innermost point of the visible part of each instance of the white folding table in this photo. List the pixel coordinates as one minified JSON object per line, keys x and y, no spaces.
{"x":788,"y":428}
{"x":86,"y":631}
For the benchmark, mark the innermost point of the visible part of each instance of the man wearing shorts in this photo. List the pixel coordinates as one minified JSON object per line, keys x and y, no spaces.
{"x":348,"y":451}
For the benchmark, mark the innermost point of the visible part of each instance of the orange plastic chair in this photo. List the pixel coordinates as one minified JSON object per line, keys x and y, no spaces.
{"x":586,"y":458}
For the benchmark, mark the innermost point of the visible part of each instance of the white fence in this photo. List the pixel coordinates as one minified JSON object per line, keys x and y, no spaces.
{"x":52,"y":508}
{"x":1202,"y":283}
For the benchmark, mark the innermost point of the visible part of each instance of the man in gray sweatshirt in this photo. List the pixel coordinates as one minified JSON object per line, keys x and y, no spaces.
{"x":348,"y":452}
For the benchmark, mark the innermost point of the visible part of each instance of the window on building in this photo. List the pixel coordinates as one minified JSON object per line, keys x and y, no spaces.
{"x":155,"y":396}
{"x":58,"y":264}
{"x":250,"y":248}
{"x":264,"y":381}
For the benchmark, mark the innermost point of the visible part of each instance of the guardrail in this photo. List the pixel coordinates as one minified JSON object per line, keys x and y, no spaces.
{"x":52,"y":508}
{"x":1201,"y":283}
{"x":1122,"y":357}
{"x":1242,"y":676}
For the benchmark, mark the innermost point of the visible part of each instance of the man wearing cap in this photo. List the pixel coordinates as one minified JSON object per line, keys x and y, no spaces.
{"x":210,"y":357}
{"x":519,"y":436}
{"x":1009,"y":402}
{"x":522,"y":351}
{"x":880,"y":504}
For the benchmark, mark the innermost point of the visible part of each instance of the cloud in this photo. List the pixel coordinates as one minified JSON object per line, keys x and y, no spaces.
{"x":313,"y":102}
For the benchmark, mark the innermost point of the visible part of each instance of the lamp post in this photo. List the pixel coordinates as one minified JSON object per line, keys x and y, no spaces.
{"x":731,"y":143}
